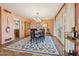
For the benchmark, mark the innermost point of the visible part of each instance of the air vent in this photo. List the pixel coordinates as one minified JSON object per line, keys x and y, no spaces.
{"x":7,"y":11}
{"x":8,"y":39}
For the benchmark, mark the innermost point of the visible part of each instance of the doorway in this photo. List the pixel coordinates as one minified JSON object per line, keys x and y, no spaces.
{"x":16,"y":28}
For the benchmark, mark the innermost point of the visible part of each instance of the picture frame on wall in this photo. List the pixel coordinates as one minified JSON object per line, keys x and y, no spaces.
{"x":16,"y":23}
{"x":8,"y":27}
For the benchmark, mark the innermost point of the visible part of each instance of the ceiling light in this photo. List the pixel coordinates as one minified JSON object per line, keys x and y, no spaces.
{"x":37,"y":18}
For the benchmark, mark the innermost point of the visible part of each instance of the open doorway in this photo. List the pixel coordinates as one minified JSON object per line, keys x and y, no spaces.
{"x":45,"y":26}
{"x":16,"y":28}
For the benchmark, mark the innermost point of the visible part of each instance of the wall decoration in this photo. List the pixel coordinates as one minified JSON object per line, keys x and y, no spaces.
{"x":26,"y":25}
{"x":8,"y":27}
{"x":16,"y":23}
{"x":59,"y":30}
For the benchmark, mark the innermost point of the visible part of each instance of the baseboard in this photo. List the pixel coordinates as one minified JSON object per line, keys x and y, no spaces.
{"x":26,"y":36}
{"x":65,"y":53}
{"x":58,"y":40}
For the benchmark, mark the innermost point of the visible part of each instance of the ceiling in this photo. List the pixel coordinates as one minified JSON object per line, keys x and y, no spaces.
{"x":29,"y":10}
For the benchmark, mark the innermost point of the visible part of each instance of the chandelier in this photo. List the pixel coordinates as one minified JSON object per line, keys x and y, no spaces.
{"x":37,"y":17}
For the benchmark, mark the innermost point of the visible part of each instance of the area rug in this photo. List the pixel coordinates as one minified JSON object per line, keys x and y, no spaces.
{"x":46,"y":47}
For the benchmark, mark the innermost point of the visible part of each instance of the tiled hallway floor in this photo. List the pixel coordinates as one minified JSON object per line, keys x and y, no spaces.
{"x":10,"y":52}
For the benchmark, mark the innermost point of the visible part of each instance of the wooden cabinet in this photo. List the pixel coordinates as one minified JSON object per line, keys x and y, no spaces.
{"x":0,"y":25}
{"x":16,"y":31}
{"x":69,"y":44}
{"x":26,"y":29}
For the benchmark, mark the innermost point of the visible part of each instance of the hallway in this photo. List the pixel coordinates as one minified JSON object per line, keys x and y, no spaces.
{"x":49,"y":29}
{"x":24,"y":46}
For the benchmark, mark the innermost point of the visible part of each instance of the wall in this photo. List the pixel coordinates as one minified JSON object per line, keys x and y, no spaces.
{"x":22,"y":20}
{"x":77,"y":16}
{"x":0,"y":25}
{"x":69,"y":24}
{"x":10,"y":16}
{"x":77,"y":24}
{"x":69,"y":17}
{"x":49,"y":22}
{"x":59,"y":25}
{"x":65,"y":20}
{"x":6,"y":20}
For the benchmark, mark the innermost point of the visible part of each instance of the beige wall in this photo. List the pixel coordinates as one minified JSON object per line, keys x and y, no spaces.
{"x":77,"y":16}
{"x":5,"y":35}
{"x":49,"y":22}
{"x":10,"y":16}
{"x":50,"y":25}
{"x":22,"y":20}
{"x":67,"y":19}
{"x":69,"y":24}
{"x":59,"y":25}
{"x":0,"y":24}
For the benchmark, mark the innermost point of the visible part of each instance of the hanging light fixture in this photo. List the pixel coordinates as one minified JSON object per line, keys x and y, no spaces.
{"x":37,"y":17}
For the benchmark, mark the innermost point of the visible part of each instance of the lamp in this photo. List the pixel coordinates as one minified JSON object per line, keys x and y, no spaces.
{"x":37,"y":18}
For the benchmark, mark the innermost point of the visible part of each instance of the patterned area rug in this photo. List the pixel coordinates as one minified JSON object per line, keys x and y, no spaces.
{"x":46,"y":47}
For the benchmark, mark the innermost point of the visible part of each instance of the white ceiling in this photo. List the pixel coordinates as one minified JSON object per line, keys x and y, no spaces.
{"x":29,"y":10}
